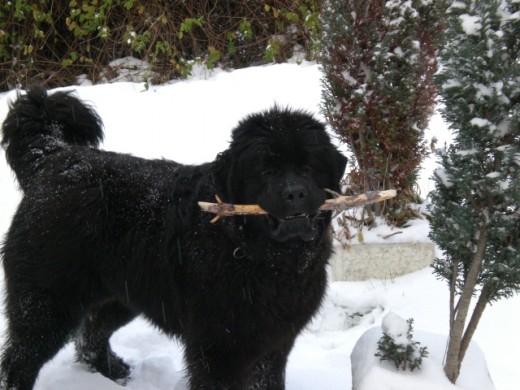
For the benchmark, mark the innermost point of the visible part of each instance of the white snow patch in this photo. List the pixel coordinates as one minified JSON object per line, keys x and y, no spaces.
{"x":503,"y":127}
{"x":443,"y":177}
{"x":458,"y":5}
{"x":480,"y":122}
{"x":504,"y":185}
{"x":398,"y":51}
{"x":396,"y":327}
{"x":471,"y":25}
{"x":125,"y":69}
{"x":493,"y":175}
{"x":347,"y":76}
{"x":368,"y":373}
{"x":451,"y":83}
{"x":467,"y":152}
{"x":483,"y":90}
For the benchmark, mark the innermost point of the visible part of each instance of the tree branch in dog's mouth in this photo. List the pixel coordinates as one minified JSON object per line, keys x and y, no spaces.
{"x":338,"y":203}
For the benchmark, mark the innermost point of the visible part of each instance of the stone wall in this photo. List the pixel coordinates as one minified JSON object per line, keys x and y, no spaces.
{"x":380,"y":261}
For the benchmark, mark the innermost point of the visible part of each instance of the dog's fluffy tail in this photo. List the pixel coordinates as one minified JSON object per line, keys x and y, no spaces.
{"x":39,"y":124}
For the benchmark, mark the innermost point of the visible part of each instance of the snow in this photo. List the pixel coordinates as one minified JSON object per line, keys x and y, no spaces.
{"x":128,"y":69}
{"x":396,"y":327}
{"x":371,"y":374}
{"x":493,"y":175}
{"x":416,"y":231}
{"x":190,"y":121}
{"x":471,"y":25}
{"x":399,"y":52}
{"x":483,"y":90}
{"x":467,"y":152}
{"x":348,"y":77}
{"x":480,"y":122}
{"x":444,"y":177}
{"x":451,"y":84}
{"x":458,"y":5}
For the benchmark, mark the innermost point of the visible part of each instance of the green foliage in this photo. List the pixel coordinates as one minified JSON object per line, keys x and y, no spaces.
{"x":477,"y":187}
{"x":188,"y":24}
{"x":476,"y":202}
{"x":53,"y":42}
{"x":379,"y":59}
{"x":404,"y":353}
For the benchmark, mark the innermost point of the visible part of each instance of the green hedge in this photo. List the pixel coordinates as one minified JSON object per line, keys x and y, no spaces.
{"x":54,"y":41}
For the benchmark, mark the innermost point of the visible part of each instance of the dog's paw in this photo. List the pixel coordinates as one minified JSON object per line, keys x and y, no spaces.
{"x":109,"y":365}
{"x":117,"y":370}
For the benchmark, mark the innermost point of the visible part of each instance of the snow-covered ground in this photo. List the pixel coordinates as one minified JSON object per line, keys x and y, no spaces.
{"x":190,"y":121}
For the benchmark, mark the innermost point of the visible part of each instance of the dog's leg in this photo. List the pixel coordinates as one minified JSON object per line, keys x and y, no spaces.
{"x":214,"y":368}
{"x":38,"y":328}
{"x":269,"y":372}
{"x":92,"y":340}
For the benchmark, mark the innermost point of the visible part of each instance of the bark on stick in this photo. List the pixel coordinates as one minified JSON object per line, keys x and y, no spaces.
{"x":339,"y":203}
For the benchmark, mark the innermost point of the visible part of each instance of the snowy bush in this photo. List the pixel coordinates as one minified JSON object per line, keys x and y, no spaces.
{"x":379,"y":58}
{"x":397,"y":344}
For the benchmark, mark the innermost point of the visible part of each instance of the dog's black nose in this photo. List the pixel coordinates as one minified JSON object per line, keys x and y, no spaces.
{"x":294,"y":195}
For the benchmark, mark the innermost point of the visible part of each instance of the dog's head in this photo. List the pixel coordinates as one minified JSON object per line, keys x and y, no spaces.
{"x":283,"y":160}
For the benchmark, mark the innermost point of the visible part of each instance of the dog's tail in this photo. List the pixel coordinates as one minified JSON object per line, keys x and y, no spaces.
{"x":39,"y":124}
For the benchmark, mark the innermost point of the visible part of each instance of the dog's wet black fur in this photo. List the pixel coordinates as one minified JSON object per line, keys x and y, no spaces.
{"x":102,"y":237}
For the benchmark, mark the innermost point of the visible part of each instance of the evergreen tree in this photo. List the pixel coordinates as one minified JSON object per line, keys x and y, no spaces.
{"x":379,"y":58}
{"x":475,"y":205}
{"x":397,"y":344}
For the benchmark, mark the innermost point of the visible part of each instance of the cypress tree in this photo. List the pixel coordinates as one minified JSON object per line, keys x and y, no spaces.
{"x":475,"y":204}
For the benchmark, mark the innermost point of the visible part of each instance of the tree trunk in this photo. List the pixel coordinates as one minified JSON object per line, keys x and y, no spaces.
{"x":475,"y":318}
{"x":453,"y":355}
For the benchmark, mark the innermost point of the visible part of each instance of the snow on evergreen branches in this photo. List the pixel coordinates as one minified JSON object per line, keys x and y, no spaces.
{"x":476,"y":202}
{"x":397,"y":344}
{"x":480,"y":87}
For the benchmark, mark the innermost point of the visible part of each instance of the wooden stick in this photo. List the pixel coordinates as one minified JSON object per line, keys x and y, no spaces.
{"x":339,"y":203}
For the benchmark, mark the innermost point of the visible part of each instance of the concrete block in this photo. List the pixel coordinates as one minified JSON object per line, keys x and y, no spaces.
{"x":380,"y":261}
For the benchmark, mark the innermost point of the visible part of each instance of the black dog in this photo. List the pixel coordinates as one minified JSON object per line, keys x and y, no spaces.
{"x":101,"y":237}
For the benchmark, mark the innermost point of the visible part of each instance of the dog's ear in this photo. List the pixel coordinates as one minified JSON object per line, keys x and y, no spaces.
{"x":339,"y":163}
{"x":223,"y":172}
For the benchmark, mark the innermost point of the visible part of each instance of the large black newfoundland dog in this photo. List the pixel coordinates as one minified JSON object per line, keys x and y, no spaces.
{"x":102,"y":237}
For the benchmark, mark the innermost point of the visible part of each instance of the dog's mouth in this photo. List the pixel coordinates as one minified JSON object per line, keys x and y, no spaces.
{"x":300,"y":226}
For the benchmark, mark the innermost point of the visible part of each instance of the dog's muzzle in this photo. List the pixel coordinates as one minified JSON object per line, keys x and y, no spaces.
{"x":298,"y":226}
